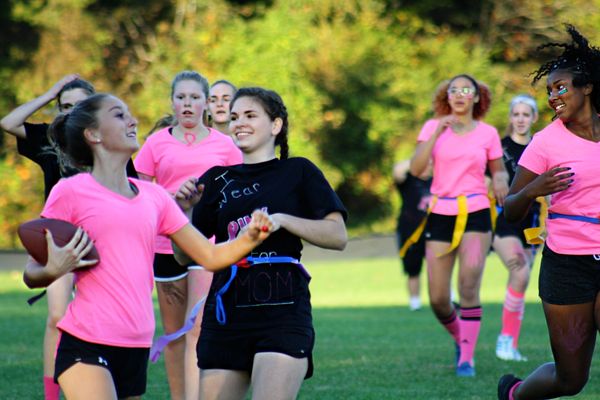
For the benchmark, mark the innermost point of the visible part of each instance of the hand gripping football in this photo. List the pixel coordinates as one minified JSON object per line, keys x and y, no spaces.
{"x":33,"y":236}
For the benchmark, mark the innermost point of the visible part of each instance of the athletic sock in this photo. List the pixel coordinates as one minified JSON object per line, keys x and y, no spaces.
{"x":512,"y":390}
{"x":512,"y":314}
{"x":51,"y":389}
{"x":470,"y":323}
{"x":452,"y":325}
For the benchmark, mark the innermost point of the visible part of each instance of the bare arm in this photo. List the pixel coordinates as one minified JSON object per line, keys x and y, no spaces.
{"x":329,"y":232}
{"x":499,"y":179}
{"x":61,"y":260}
{"x":220,"y":256}
{"x":400,"y":171}
{"x":420,"y":159}
{"x":527,"y":186}
{"x":13,"y":121}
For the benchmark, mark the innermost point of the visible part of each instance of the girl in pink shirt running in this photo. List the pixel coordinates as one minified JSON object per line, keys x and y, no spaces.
{"x":459,"y":224}
{"x":170,"y":157}
{"x":562,"y":161}
{"x":108,"y":327}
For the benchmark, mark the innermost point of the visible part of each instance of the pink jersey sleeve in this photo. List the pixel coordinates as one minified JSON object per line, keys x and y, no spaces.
{"x":533,"y":158}
{"x":145,"y":161}
{"x":172,"y":218}
{"x":427,"y":130}
{"x":494,"y":150}
{"x":56,"y":206}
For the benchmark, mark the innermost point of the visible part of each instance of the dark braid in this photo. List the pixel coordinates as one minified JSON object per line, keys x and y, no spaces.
{"x":579,"y":58}
{"x":274,"y":107}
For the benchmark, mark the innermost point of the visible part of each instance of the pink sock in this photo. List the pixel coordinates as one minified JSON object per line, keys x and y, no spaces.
{"x":470,"y":322}
{"x":512,"y":314}
{"x":51,"y":389}
{"x":512,"y":390}
{"x":452,"y":325}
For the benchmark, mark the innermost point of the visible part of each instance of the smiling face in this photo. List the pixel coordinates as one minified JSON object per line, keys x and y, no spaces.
{"x":219,"y":99}
{"x":252,"y":128}
{"x":189,"y":103}
{"x":69,"y":98}
{"x":522,"y":117}
{"x":117,"y":128}
{"x":462,"y":96}
{"x":566,"y":100}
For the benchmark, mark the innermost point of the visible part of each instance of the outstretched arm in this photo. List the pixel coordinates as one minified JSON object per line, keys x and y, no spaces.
{"x":13,"y":121}
{"x":329,"y":232}
{"x":220,"y":256}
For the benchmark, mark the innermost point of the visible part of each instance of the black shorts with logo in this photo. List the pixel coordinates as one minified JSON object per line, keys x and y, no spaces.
{"x":441,"y":227}
{"x":127,"y":365}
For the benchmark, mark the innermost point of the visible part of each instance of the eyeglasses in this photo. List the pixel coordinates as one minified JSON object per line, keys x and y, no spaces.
{"x":465,"y":92}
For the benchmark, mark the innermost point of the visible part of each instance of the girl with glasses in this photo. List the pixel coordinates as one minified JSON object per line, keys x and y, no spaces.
{"x":460,"y":146}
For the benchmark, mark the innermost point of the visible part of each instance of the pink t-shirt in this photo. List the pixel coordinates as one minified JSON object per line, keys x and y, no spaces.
{"x":172,"y":162}
{"x":113,"y":303}
{"x":459,"y":164}
{"x":556,"y":146}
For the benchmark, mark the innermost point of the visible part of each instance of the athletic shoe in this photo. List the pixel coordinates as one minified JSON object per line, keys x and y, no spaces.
{"x":414,"y":304}
{"x":504,"y":347}
{"x":465,"y":370}
{"x":505,"y":350}
{"x":505,"y":384}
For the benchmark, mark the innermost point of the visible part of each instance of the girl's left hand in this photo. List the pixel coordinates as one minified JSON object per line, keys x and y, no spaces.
{"x":500,"y":187}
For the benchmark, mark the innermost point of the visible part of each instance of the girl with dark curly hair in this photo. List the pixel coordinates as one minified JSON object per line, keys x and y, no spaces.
{"x":459,"y":224}
{"x":561,"y":161}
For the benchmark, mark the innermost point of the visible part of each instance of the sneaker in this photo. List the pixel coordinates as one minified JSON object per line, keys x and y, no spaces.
{"x":505,"y":350}
{"x":504,"y":347}
{"x":517,"y":356}
{"x":414,"y":304}
{"x":465,"y":370}
{"x":505,"y":384}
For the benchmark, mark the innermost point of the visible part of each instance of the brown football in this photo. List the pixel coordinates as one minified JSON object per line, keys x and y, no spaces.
{"x":33,"y":236}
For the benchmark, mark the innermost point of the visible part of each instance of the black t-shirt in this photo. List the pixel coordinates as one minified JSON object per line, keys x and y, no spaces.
{"x":36,"y":146}
{"x":511,"y":154}
{"x":294,"y":186}
{"x":415,"y":194}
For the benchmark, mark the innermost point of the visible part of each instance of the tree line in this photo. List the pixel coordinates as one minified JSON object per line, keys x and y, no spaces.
{"x":357,"y":76}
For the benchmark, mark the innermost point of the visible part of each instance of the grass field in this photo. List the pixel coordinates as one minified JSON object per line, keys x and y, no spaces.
{"x":369,"y":346}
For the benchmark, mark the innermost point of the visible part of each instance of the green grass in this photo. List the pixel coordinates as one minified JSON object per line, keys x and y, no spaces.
{"x":369,"y":346}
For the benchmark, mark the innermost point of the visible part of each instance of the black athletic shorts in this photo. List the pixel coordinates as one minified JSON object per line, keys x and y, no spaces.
{"x":412,"y":262}
{"x":505,"y":229}
{"x":167,"y":269}
{"x":568,"y":279}
{"x":127,"y":365}
{"x":441,"y":227}
{"x":235,"y":349}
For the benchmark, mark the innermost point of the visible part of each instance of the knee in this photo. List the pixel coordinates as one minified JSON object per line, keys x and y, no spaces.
{"x":440,"y":306}
{"x":573,"y":385}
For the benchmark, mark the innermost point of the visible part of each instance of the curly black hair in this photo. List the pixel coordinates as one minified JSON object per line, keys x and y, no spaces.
{"x":579,"y":58}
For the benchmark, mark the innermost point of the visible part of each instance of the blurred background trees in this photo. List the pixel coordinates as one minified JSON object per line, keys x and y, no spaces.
{"x":357,"y":76}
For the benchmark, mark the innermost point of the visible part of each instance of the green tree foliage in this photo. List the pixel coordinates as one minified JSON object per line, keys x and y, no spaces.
{"x":357,"y":76}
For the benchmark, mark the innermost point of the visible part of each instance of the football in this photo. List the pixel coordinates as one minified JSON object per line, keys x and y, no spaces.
{"x":33,"y":236}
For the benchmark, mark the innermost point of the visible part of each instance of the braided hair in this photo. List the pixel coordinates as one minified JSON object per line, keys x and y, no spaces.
{"x":274,"y":107}
{"x":578,"y":58}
